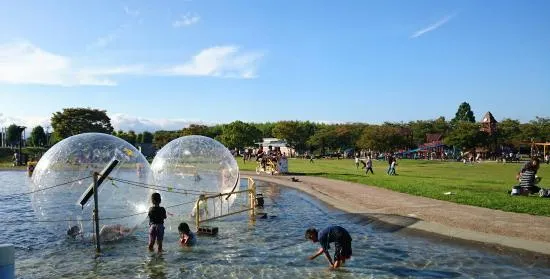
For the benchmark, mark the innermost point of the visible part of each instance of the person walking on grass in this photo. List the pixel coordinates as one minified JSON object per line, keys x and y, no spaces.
{"x":392,"y":167}
{"x":369,"y":166}
{"x":390,"y":160}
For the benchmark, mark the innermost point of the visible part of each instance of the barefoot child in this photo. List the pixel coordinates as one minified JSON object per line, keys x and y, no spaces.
{"x":157,"y":214}
{"x":187,"y":238}
{"x":342,"y":244}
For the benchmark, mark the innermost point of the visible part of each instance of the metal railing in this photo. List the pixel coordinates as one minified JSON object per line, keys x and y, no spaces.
{"x":251,"y":201}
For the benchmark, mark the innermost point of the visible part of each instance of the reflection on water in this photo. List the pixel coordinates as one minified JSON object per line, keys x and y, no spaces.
{"x":270,"y":248}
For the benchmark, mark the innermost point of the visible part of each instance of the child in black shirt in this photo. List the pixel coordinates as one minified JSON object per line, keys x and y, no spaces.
{"x":157,"y":214}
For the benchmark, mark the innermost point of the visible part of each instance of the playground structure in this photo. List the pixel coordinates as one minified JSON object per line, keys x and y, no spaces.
{"x":266,"y":165}
{"x":217,"y":213}
{"x":535,"y":145}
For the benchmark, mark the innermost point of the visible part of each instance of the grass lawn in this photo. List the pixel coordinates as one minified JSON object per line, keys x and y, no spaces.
{"x":484,"y":184}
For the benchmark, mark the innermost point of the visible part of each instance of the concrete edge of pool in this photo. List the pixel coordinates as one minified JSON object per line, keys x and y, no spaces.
{"x":533,"y":246}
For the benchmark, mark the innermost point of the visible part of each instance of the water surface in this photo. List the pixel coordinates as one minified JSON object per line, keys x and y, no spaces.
{"x":267,"y":248}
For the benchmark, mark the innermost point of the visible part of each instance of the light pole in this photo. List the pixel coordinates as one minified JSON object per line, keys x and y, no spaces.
{"x":20,"y":130}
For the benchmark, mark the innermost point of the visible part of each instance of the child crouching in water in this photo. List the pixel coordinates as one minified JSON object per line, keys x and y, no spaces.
{"x":187,"y":238}
{"x":157,"y":214}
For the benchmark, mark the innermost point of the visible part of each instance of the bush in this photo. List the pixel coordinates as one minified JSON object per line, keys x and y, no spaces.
{"x":6,"y":152}
{"x":34,"y":151}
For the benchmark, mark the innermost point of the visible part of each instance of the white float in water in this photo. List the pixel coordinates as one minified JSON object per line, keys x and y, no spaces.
{"x":194,"y":165}
{"x":77,"y":157}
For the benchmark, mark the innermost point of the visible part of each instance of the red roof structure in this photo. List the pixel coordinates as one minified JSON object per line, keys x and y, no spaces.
{"x":431,"y":138}
{"x":489,"y":124}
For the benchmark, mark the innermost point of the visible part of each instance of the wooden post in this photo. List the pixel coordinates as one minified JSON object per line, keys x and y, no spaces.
{"x":96,"y":216}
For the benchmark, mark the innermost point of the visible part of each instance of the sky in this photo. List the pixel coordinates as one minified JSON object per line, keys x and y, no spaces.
{"x":164,"y":64}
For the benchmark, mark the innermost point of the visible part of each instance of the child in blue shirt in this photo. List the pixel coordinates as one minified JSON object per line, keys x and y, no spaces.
{"x":342,"y":244}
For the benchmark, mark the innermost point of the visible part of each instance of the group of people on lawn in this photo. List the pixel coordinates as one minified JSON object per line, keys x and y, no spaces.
{"x":367,"y":164}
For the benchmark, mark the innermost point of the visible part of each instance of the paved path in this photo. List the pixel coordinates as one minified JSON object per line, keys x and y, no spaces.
{"x":514,"y":230}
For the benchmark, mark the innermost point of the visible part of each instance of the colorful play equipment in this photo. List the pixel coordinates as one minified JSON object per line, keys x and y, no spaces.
{"x":545,"y":146}
{"x":268,"y":166}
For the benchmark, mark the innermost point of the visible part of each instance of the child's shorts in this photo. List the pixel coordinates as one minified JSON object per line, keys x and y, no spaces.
{"x":156,"y":232}
{"x":342,"y":251}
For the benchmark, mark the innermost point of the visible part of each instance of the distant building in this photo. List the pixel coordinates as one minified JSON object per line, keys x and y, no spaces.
{"x":489,"y":124}
{"x":276,"y":143}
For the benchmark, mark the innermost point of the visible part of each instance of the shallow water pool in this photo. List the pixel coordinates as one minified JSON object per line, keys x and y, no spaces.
{"x":267,"y":248}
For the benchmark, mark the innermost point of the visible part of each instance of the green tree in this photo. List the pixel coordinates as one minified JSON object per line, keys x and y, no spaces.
{"x":148,"y":137}
{"x":215,"y":131}
{"x":540,"y":129}
{"x":295,"y":133}
{"x":196,"y":129}
{"x":509,"y":132}
{"x":420,"y":128}
{"x":38,"y":136}
{"x":132,"y":137}
{"x":161,"y":138}
{"x":265,"y":128}
{"x":129,"y":136}
{"x":337,"y":137}
{"x":239,"y":135}
{"x":74,"y":121}
{"x":464,"y":113}
{"x":139,"y":138}
{"x":384,"y":138}
{"x":466,"y":135}
{"x":13,"y":134}
{"x":324,"y":137}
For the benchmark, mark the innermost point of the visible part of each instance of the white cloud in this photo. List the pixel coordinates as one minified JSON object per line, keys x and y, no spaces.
{"x":29,"y":121}
{"x":120,"y":121}
{"x":102,"y":42}
{"x":220,"y":61}
{"x":118,"y":70}
{"x":432,"y":27}
{"x":131,"y":12}
{"x":186,"y":20}
{"x":126,"y":122}
{"x":25,"y":63}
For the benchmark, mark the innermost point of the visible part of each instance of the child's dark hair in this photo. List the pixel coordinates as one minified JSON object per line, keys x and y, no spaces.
{"x":184,"y":228}
{"x":155,"y":198}
{"x":310,"y":233}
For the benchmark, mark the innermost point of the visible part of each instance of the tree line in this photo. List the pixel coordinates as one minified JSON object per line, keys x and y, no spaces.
{"x":462,"y":132}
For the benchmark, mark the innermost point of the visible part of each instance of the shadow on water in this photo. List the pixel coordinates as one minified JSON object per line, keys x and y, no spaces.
{"x":155,"y":267}
{"x":379,"y":222}
{"x":415,"y":273}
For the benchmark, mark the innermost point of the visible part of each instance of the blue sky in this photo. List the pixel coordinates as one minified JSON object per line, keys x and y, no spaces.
{"x":163,"y":64}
